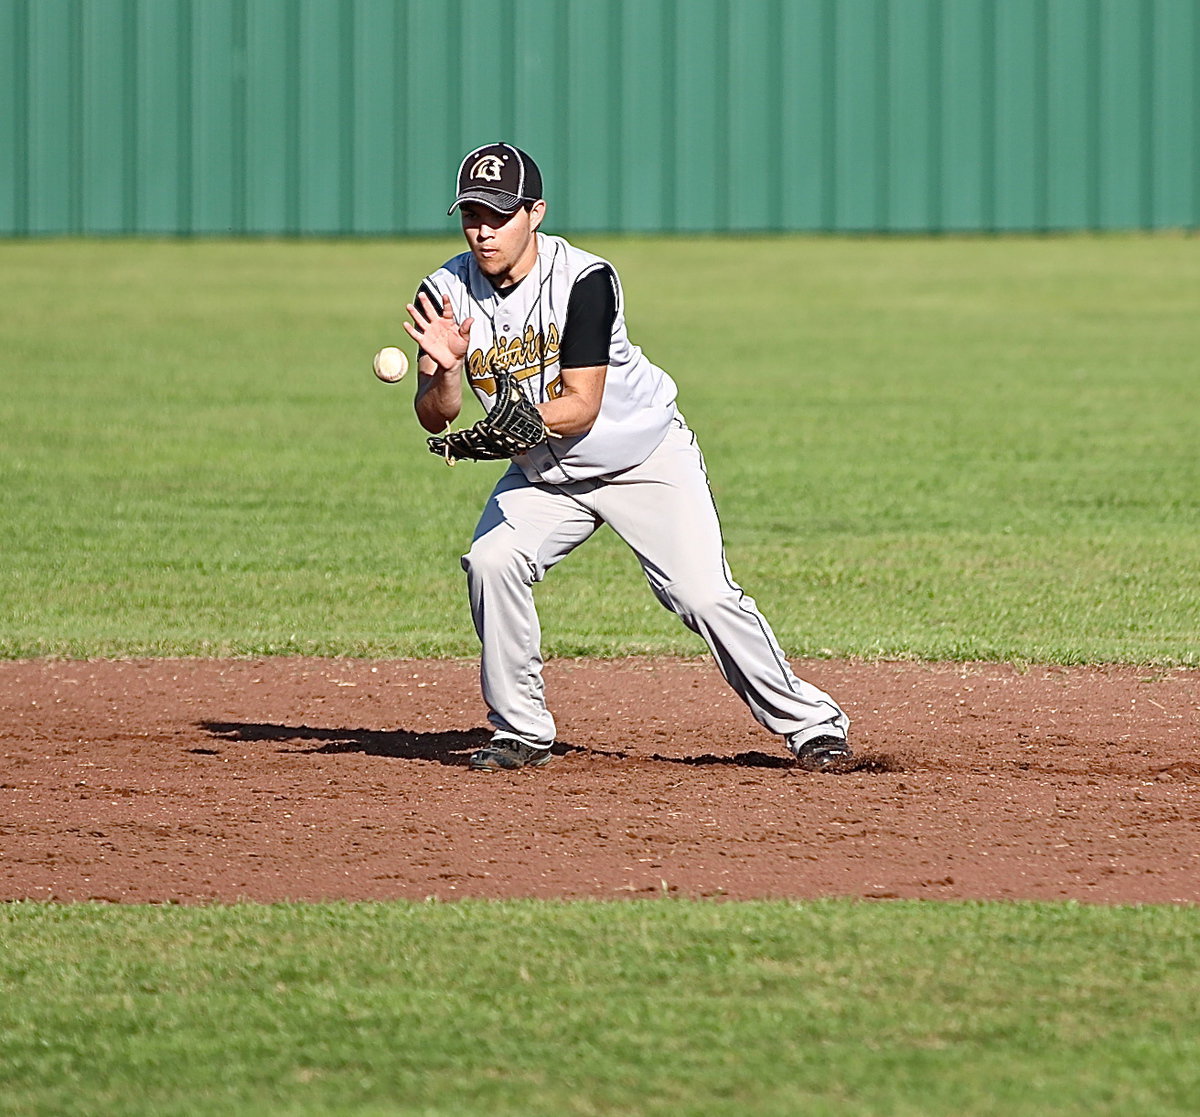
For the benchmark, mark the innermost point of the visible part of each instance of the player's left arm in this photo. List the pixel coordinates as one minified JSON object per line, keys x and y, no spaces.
{"x":576,"y":409}
{"x":583,"y":356}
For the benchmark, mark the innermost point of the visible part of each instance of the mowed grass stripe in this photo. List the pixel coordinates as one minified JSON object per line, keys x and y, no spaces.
{"x":667,"y":1007}
{"x":958,"y":448}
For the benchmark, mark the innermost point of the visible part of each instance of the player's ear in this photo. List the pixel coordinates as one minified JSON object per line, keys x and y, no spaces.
{"x":536,"y":212}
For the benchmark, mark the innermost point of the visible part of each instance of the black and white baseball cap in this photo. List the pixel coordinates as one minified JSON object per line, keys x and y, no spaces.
{"x":499,"y":176}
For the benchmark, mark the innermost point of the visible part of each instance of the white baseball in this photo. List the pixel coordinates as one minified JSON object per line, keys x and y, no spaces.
{"x":391,"y":364}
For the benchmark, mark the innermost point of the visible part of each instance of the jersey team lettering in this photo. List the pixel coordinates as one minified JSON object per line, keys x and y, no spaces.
{"x":522,"y":356}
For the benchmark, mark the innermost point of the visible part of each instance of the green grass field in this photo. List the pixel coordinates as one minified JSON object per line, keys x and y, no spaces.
{"x":944,"y":449}
{"x":668,"y":1008}
{"x":955,"y":448}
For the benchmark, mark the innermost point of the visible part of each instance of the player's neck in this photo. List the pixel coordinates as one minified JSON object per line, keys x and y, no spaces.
{"x":520,"y":269}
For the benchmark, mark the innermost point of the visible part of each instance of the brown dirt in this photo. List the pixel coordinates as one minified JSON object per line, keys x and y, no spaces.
{"x":193,"y":781}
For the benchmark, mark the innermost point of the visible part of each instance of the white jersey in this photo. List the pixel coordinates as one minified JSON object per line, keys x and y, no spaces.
{"x":522,"y":333}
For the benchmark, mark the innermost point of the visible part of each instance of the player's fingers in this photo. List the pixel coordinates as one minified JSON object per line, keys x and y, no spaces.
{"x":447,"y":310}
{"x":416,"y":315}
{"x":465,"y":329}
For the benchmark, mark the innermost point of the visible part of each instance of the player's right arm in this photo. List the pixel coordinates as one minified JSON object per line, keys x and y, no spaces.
{"x":583,"y":356}
{"x":443,"y":348}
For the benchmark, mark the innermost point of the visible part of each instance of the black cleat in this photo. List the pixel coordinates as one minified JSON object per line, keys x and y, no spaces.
{"x":819,"y":754}
{"x":506,"y":754}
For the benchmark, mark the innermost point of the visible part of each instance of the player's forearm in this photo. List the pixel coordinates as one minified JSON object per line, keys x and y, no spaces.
{"x":568,"y":416}
{"x":575,"y":411}
{"x":439,"y":396}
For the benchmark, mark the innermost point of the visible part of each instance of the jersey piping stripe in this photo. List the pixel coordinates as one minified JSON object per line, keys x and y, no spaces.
{"x":784,"y":668}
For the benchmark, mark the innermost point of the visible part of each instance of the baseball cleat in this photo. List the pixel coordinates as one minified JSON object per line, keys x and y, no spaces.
{"x":506,"y":754}
{"x":819,"y":754}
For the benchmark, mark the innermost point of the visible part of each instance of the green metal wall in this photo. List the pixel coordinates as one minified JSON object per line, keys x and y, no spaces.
{"x":349,"y":116}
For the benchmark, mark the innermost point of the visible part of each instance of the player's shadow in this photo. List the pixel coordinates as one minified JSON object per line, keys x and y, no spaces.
{"x":451,"y":748}
{"x":454,"y":747}
{"x":751,"y":758}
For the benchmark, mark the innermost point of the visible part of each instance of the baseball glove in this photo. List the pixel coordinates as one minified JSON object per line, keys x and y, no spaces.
{"x":511,"y":427}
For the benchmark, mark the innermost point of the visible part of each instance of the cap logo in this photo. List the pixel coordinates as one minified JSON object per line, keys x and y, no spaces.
{"x":488,"y":168}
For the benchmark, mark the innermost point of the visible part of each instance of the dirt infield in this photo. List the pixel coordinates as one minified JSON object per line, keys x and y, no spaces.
{"x":193,"y":781}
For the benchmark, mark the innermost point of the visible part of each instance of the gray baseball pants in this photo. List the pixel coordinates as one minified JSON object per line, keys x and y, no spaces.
{"x":663,"y":509}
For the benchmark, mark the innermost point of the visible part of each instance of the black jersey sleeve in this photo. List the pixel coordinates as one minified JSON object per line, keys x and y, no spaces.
{"x":427,"y":289}
{"x":591,"y":312}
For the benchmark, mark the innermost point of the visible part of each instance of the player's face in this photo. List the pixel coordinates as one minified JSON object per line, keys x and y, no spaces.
{"x":503,"y":244}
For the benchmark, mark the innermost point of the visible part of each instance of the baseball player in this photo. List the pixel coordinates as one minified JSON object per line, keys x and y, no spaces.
{"x":594,"y":437}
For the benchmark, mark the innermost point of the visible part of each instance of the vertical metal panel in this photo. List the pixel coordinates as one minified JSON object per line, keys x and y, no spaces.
{"x":1071,"y":171}
{"x":913,"y":118}
{"x":215,"y":75}
{"x":967,"y":106}
{"x":271,"y":107}
{"x":593,"y":150}
{"x":323,"y":152}
{"x":753,"y":155}
{"x":186,"y":97}
{"x":106,"y":156}
{"x":540,"y":108}
{"x":647,"y":184}
{"x":805,"y":129}
{"x":335,"y":116}
{"x":159,"y":106}
{"x":371,"y":108}
{"x":1122,"y":106}
{"x":435,"y":88}
{"x":54,"y":117}
{"x":1174,"y":170}
{"x":14,"y":116}
{"x":540,"y":114}
{"x":1020,"y":115}
{"x":701,"y":128}
{"x":860,"y":72}
{"x":483,"y":47}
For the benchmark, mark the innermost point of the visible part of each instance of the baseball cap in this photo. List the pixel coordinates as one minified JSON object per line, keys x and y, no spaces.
{"x":499,"y":176}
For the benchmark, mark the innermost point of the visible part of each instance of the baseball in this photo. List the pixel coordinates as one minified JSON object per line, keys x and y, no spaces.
{"x":391,"y":364}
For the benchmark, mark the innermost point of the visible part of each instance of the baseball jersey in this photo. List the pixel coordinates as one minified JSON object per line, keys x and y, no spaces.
{"x":522,"y":332}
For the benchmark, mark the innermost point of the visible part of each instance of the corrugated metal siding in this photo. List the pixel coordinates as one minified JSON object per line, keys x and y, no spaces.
{"x":349,"y":116}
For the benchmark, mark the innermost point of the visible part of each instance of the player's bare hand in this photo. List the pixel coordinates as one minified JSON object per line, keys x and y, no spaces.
{"x":440,"y":337}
